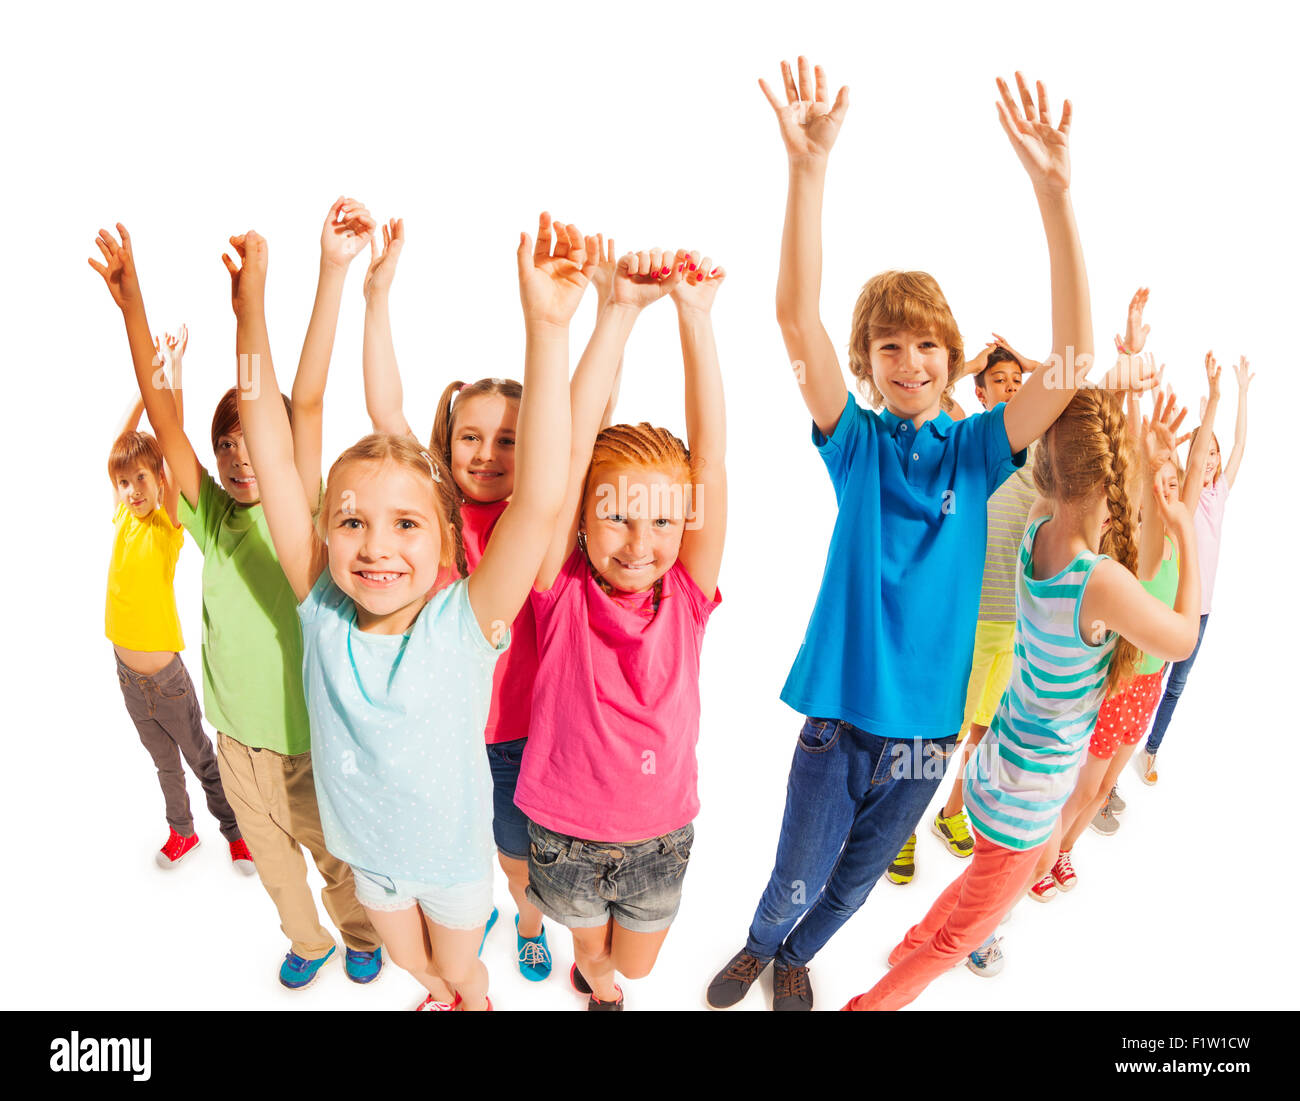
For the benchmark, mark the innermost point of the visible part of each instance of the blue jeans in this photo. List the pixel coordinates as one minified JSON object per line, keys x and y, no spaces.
{"x":852,"y":800}
{"x":1173,"y":690}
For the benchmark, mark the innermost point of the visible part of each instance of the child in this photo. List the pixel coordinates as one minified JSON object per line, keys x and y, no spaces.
{"x":622,"y":601}
{"x":1124,"y":715}
{"x":252,"y":647}
{"x":998,"y":379}
{"x":883,"y":668}
{"x":398,"y":681}
{"x":140,"y":620}
{"x":1081,"y":620}
{"x":1205,"y":465}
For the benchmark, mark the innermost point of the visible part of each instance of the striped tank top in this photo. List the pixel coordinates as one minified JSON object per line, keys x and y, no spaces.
{"x":1025,"y":768}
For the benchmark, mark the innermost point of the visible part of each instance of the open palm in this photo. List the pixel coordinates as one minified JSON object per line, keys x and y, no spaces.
{"x":1043,"y":149}
{"x":809,"y":122}
{"x":554,"y":275}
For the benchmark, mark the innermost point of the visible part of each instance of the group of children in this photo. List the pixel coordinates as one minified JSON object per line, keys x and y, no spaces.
{"x":538,"y":579}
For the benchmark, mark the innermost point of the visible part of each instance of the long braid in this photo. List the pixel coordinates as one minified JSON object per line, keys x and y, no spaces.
{"x":1120,"y":539}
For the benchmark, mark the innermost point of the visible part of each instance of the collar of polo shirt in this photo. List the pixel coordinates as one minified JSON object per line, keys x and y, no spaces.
{"x":940,"y":425}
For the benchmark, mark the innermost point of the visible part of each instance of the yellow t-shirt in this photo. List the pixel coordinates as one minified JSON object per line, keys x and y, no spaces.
{"x":141,"y":607}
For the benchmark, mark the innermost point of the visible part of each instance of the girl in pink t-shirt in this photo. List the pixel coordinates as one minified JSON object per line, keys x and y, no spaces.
{"x":1203,"y":461}
{"x":474,"y":434}
{"x":622,"y":600}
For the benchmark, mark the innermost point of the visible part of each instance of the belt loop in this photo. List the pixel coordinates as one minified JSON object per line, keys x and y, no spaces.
{"x":575,"y":848}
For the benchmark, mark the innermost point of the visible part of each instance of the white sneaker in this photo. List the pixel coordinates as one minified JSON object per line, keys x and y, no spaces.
{"x":986,"y":961}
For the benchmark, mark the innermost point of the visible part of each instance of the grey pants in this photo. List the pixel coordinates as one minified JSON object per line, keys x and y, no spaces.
{"x":166,"y":713}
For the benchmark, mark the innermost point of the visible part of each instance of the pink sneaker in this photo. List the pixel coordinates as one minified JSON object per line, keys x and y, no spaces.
{"x":1063,"y":871}
{"x":1044,"y":890}
{"x":175,"y":849}
{"x":432,"y":1004}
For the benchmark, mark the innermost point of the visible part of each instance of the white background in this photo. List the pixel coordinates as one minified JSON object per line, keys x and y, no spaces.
{"x":644,"y":122}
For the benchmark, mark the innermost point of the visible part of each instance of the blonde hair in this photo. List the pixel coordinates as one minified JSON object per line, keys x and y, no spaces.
{"x":383,"y":447}
{"x":1218,"y":470}
{"x":1089,"y":450}
{"x":453,"y":397}
{"x":133,"y":449}
{"x":897,"y":300}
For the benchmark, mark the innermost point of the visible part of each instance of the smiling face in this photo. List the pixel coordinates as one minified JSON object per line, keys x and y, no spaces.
{"x":1002,"y":382}
{"x":1212,"y":462}
{"x":483,"y":446}
{"x":139,"y":489}
{"x":1167,"y":476}
{"x":386,"y":540}
{"x":634,"y":519}
{"x":910,"y":369}
{"x":234,"y":469}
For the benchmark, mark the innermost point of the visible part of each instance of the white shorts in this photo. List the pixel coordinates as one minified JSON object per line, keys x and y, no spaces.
{"x":464,"y":906}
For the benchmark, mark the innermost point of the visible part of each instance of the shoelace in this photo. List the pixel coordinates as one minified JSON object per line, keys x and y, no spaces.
{"x":430,"y":1004}
{"x":1066,"y":868}
{"x":534,"y":952}
{"x":1044,"y":883}
{"x":986,"y":952}
{"x":791,"y":982}
{"x":907,"y":852}
{"x":746,"y":969}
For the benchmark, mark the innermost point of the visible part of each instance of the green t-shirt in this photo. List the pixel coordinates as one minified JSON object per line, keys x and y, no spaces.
{"x":252,"y":640}
{"x":1164,"y":587}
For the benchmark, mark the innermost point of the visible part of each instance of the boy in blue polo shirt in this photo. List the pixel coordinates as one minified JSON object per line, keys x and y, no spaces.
{"x":883,"y":668}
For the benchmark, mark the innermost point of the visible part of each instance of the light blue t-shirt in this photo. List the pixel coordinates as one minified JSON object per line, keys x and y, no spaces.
{"x":889,"y":644}
{"x":397,"y":722}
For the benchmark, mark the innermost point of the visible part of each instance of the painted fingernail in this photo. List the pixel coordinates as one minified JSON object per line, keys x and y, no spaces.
{"x":667,"y":271}
{"x":714,"y":271}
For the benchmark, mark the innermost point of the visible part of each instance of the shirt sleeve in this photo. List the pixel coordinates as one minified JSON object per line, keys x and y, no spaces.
{"x":196,"y":518}
{"x":841,"y":447}
{"x":470,"y":633}
{"x":701,"y":608}
{"x":324,"y":596}
{"x":999,"y":461}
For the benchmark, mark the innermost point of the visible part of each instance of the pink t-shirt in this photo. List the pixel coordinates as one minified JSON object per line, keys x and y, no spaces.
{"x":616,"y":708}
{"x":1208,"y":522}
{"x":512,"y":680}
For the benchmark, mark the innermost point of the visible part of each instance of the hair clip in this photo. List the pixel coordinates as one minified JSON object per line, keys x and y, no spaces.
{"x":433,"y":470}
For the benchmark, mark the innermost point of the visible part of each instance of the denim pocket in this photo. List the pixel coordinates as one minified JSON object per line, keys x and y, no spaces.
{"x":543,"y":850}
{"x":818,"y":735}
{"x":942,"y":749}
{"x":679,"y":842}
{"x":175,"y":686}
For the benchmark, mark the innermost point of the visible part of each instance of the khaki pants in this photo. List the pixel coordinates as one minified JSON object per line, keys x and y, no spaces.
{"x":274,"y":799}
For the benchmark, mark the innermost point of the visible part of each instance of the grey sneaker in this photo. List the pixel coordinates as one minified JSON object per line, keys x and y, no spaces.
{"x":791,"y":990}
{"x":733,"y":982}
{"x":1117,"y":805}
{"x":986,"y":961}
{"x":1104,"y":822}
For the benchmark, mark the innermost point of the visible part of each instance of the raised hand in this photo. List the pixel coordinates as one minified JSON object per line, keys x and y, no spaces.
{"x":1043,"y":149}
{"x":248,"y":280}
{"x":1134,"y":373}
{"x":602,"y":275}
{"x":809,"y":122}
{"x":1160,"y":434}
{"x":1244,"y":377}
{"x":1135,"y":333}
{"x":1173,"y":512}
{"x":383,"y":265}
{"x":170,"y":359}
{"x":645,"y":277}
{"x":118,"y":268}
{"x":699,"y":284}
{"x":348,"y":229}
{"x":552,"y":280}
{"x":1212,"y":372}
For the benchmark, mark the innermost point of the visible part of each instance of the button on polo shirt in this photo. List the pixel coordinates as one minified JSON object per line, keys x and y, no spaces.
{"x":889,"y":644}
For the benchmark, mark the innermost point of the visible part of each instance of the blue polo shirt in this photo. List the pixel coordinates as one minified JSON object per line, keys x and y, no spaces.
{"x":889,"y":644}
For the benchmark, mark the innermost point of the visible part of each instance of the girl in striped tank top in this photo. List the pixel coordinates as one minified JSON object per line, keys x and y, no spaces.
{"x":1082,"y":619}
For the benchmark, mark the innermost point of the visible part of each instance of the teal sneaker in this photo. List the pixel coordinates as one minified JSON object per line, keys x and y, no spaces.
{"x":297,"y":973}
{"x":363,"y":967}
{"x":487,"y":929}
{"x":534,"y":955}
{"x":986,"y":961}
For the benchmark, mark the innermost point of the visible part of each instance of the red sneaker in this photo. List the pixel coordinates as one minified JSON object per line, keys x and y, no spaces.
{"x":175,"y":849}
{"x":431,"y":1003}
{"x":1063,"y":871}
{"x":241,"y":858}
{"x":1044,"y":889}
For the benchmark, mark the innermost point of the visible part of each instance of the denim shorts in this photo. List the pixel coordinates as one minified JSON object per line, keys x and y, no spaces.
{"x":582,"y":884}
{"x":509,"y":823}
{"x":464,"y":906}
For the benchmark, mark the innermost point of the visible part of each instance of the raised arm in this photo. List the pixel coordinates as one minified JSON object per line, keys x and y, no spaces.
{"x":1135,"y":331}
{"x":1044,"y":151}
{"x":172,"y":350}
{"x":1158,"y":445}
{"x":551,"y":284}
{"x":1115,"y":598}
{"x":809,"y":126}
{"x":378,"y":357}
{"x":602,"y":279}
{"x":706,"y":423}
{"x":640,"y":279}
{"x":119,"y":274}
{"x":1244,"y":379}
{"x":348,"y":227}
{"x":266,"y":427}
{"x":1199,"y":453}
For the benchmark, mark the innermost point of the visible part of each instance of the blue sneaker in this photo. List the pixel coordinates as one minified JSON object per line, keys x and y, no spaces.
{"x":986,"y":961}
{"x":297,"y":973}
{"x":487,"y":929}
{"x":363,"y":967}
{"x":534,"y":956}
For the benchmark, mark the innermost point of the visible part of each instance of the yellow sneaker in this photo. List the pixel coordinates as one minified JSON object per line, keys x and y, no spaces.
{"x":954,"y":833}
{"x":904,"y":865}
